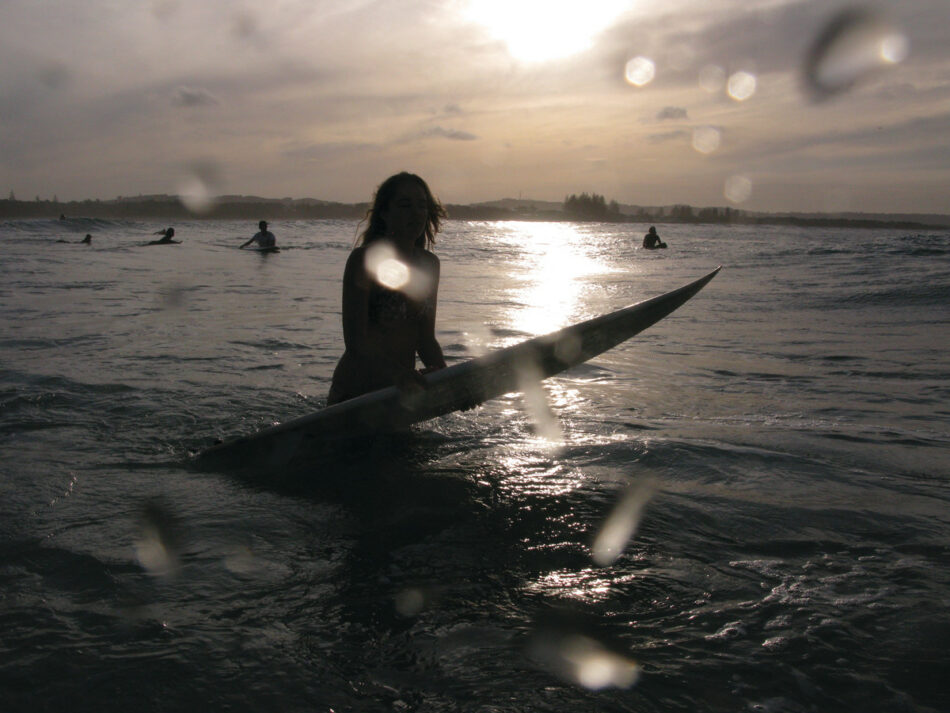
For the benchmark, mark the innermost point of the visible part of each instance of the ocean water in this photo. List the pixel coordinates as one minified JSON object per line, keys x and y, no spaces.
{"x":784,"y":437}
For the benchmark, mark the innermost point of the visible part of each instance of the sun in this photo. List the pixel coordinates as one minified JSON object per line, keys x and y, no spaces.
{"x":541,"y":30}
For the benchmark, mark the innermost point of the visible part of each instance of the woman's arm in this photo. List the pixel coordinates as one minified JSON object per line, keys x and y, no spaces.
{"x":430,"y":351}
{"x":355,"y":303}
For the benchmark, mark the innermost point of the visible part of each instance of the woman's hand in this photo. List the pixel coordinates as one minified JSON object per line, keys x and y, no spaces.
{"x":411,"y":385}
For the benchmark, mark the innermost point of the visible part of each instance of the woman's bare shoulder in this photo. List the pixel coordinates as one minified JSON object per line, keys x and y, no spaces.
{"x":430,"y":259}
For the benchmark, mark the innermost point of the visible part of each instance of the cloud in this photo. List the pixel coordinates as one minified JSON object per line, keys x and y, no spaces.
{"x":662,"y":138}
{"x":672,"y":112}
{"x":442,"y":132}
{"x":315,"y":98}
{"x":325,"y":151}
{"x":193,"y":96}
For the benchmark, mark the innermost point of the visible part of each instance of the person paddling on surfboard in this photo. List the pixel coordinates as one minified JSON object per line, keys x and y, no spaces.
{"x":264,"y":238}
{"x":167,"y":234}
{"x":85,"y":241}
{"x":651,"y":241}
{"x":390,"y":289}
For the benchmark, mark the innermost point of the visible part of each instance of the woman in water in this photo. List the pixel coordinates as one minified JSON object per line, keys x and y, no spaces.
{"x":390,"y":288}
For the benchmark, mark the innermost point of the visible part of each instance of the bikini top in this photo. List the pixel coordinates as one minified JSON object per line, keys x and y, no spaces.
{"x":391,"y":305}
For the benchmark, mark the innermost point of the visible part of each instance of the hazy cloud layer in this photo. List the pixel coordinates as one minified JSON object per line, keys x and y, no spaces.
{"x":672,"y":113}
{"x":323,"y":99}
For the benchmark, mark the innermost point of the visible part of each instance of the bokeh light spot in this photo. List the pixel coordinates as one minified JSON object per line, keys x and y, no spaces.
{"x":640,"y":71}
{"x":712,"y":78}
{"x":158,"y":545}
{"x":384,"y":265}
{"x":622,"y":523}
{"x":536,"y":405}
{"x":585,"y":661}
{"x":895,"y":48}
{"x":568,"y":348}
{"x":742,"y":85}
{"x":197,"y":190}
{"x":410,"y":602}
{"x":706,"y":139}
{"x":738,"y":188}
{"x":392,"y":273}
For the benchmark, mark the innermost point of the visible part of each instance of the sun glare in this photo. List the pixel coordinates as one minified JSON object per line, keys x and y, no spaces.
{"x":540,"y":30}
{"x":555,"y":271}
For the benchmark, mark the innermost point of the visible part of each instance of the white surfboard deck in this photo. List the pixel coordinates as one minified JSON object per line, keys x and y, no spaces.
{"x":451,"y":389}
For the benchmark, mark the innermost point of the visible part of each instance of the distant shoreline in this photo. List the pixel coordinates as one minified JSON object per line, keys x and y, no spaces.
{"x":169,"y":208}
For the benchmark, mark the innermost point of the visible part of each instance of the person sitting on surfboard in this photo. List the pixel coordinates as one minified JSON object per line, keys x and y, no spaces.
{"x":167,"y":234}
{"x":264,"y":238}
{"x":390,"y":287}
{"x":651,"y":240}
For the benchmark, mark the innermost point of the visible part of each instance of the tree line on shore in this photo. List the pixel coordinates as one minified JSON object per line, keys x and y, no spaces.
{"x":576,"y":207}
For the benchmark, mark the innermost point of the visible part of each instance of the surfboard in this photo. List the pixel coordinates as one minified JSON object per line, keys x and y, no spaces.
{"x":265,"y":251}
{"x":456,"y":387}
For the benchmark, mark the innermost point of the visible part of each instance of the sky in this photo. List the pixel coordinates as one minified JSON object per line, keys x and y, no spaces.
{"x":765,"y":105}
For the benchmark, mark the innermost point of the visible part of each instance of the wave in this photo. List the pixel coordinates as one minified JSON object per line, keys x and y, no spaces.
{"x":921,"y":245}
{"x":44,"y":226}
{"x":917,"y":294}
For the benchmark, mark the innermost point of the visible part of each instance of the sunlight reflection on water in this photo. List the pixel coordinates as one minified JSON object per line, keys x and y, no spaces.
{"x":554,"y":271}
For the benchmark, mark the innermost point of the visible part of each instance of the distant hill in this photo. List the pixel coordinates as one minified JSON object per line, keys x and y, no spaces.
{"x":241,"y":207}
{"x":670,"y":211}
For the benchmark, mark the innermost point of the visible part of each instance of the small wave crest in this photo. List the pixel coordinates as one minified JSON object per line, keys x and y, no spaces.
{"x":922,"y":245}
{"x":46,"y":226}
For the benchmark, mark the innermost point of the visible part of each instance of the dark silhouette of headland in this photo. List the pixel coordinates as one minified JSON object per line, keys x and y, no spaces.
{"x":583,"y":207}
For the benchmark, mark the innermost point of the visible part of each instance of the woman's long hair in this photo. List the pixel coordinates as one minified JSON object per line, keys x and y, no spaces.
{"x":376,"y":227}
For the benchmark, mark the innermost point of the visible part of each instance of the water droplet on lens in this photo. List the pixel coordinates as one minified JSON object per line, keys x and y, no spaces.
{"x":158,"y":546}
{"x":712,"y":78}
{"x":196,"y":191}
{"x":706,"y":139}
{"x":738,"y":188}
{"x":55,"y":75}
{"x":568,"y":348}
{"x":410,"y":602}
{"x":244,"y":25}
{"x":536,"y":405}
{"x":622,"y":523}
{"x":172,"y":297}
{"x":392,"y":273}
{"x":583,"y":660}
{"x":640,"y":71}
{"x":855,"y":43}
{"x":742,"y":85}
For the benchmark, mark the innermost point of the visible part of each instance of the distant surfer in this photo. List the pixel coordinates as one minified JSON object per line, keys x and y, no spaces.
{"x":390,"y":288}
{"x":85,"y":241}
{"x":167,"y":236}
{"x":651,"y":241}
{"x":264,"y":238}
